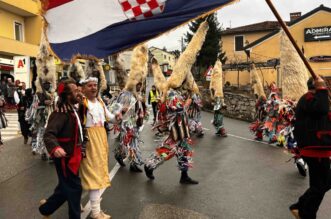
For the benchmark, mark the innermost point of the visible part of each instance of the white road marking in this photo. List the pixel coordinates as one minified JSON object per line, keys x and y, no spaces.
{"x":252,"y":140}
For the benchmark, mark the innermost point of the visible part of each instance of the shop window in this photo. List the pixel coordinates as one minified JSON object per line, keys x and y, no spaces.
{"x":18,"y":31}
{"x":239,"y":43}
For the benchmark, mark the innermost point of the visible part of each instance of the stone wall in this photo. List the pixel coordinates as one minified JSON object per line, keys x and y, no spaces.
{"x":239,"y":106}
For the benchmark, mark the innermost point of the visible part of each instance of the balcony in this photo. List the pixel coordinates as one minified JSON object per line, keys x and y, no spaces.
{"x":13,"y":48}
{"x":24,"y":8}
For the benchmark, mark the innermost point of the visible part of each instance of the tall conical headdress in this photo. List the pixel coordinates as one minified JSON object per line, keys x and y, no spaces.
{"x":46,"y":69}
{"x":256,"y":82}
{"x":159,"y":79}
{"x":93,"y":68}
{"x":188,"y":58}
{"x":138,"y":69}
{"x":121,"y":75}
{"x":216,"y":81}
{"x":76,"y":71}
{"x":294,"y":72}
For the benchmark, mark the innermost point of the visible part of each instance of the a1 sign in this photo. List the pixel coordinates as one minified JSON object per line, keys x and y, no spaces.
{"x":317,"y":34}
{"x":21,"y":64}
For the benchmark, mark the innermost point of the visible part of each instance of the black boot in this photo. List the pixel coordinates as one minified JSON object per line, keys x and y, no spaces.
{"x":149,"y":172}
{"x":135,"y":168}
{"x":120,"y":160}
{"x":185,"y":179}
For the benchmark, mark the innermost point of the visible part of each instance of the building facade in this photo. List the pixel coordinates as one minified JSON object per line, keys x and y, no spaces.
{"x":165,"y":59}
{"x":20,"y":30}
{"x":261,"y":43}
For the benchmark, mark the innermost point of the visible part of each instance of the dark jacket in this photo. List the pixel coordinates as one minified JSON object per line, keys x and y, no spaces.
{"x":313,"y":124}
{"x":62,"y":130}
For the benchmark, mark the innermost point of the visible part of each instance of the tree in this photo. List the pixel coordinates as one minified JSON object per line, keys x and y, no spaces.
{"x":212,"y":47}
{"x":176,"y":53}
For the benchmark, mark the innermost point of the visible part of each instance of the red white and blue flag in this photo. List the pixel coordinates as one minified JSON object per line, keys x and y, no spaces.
{"x":104,"y":27}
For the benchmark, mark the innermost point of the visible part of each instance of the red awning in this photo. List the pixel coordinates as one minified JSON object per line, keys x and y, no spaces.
{"x":6,"y":67}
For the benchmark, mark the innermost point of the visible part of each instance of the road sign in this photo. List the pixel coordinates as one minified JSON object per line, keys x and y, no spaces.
{"x":317,"y":34}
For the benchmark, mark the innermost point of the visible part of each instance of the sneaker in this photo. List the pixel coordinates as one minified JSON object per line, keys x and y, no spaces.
{"x":149,"y":172}
{"x":188,"y":181}
{"x":134,"y":168}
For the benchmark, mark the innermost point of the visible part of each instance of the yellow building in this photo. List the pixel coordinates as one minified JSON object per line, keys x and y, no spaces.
{"x":261,"y":42}
{"x":165,"y":59}
{"x":20,"y":30}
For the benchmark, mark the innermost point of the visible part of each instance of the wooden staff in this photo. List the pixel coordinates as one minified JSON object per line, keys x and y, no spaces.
{"x":281,"y":22}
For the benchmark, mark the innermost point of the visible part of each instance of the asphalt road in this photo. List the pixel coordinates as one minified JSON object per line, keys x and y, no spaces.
{"x":239,"y":179}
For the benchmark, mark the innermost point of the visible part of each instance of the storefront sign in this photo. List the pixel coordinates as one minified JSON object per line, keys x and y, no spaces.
{"x":21,"y":64}
{"x":320,"y":59}
{"x":22,"y":69}
{"x":317,"y":34}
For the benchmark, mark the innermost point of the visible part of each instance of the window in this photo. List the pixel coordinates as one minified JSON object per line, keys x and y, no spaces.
{"x":239,"y":43}
{"x":18,"y":31}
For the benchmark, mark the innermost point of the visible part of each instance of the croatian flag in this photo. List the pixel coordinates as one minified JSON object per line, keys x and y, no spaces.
{"x":104,"y":27}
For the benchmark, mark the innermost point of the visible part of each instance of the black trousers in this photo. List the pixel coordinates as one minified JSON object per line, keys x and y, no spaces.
{"x":319,"y":184}
{"x":154,"y":106}
{"x":68,"y":189}
{"x":25,"y":127}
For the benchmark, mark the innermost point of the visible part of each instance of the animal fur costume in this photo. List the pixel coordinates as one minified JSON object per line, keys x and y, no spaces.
{"x":159,"y":80}
{"x":76,"y":71}
{"x":39,"y":113}
{"x":188,"y":58}
{"x":174,"y":111}
{"x":138,"y":69}
{"x":46,"y":68}
{"x":93,"y":68}
{"x":131,"y":100}
{"x":216,"y":81}
{"x":294,"y":72}
{"x":256,"y":82}
{"x":121,"y":75}
{"x":216,"y":89}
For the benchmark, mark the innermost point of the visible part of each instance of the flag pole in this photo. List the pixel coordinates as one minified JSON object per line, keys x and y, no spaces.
{"x":283,"y":25}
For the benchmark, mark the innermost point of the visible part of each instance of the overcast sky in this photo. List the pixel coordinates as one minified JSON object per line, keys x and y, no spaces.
{"x":243,"y":13}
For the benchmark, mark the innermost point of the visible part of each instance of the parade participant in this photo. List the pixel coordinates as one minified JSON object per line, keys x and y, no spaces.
{"x":257,"y":127}
{"x":25,"y":99}
{"x":94,"y":166}
{"x":3,"y":119}
{"x":140,"y":108}
{"x":216,"y":89}
{"x":178,"y":141}
{"x":194,"y":115}
{"x":153,"y":99}
{"x":43,"y":103}
{"x":63,"y":138}
{"x":133,"y":110}
{"x":312,"y":132}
